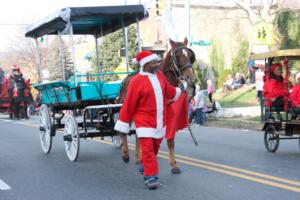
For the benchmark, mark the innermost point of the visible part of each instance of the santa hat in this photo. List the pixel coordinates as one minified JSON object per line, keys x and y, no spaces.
{"x":145,"y":57}
{"x":15,"y":67}
{"x":297,"y":76}
{"x":274,"y":66}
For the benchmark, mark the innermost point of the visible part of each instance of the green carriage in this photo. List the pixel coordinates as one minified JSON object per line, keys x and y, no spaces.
{"x":94,"y":102}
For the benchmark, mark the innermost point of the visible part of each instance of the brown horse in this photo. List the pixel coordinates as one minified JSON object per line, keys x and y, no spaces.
{"x":176,"y":65}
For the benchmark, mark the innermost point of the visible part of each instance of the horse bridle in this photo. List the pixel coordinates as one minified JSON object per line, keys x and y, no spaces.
{"x":174,"y":65}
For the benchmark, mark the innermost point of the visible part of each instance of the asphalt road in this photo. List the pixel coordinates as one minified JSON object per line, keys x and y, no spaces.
{"x":227,"y":164}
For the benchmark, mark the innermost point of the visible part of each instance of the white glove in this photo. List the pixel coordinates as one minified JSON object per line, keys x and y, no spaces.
{"x":183,"y":85}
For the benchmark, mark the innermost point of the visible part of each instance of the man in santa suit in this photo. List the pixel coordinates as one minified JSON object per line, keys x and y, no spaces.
{"x":146,"y":99}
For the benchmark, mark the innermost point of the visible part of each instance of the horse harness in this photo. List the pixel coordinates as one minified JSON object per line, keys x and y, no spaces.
{"x":174,"y":67}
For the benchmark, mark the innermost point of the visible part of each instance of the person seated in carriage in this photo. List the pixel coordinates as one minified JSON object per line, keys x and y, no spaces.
{"x":295,"y":95}
{"x":1,"y":75}
{"x":1,"y":79}
{"x":275,"y":90}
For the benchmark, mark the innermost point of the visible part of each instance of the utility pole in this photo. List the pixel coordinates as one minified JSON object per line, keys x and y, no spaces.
{"x":187,"y":17}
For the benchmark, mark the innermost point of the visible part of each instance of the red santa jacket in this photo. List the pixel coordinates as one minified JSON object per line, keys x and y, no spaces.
{"x":145,"y":102}
{"x":273,"y":89}
{"x":295,"y":95}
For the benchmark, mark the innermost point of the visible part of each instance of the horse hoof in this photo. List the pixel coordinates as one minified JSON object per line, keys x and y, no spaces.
{"x":125,"y":159}
{"x":176,"y":171}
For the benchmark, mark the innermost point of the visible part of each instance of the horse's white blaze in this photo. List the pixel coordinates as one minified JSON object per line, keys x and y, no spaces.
{"x":185,"y":52}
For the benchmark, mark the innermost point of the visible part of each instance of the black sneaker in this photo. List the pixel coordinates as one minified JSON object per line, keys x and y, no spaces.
{"x":152,"y":183}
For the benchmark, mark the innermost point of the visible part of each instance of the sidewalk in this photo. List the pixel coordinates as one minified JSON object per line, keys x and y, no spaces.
{"x":239,"y":112}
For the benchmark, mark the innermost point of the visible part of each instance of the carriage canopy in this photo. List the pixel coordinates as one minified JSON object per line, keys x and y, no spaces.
{"x":287,"y":53}
{"x":97,"y":21}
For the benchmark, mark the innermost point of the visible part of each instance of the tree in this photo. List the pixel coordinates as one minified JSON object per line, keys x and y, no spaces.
{"x":217,"y":61}
{"x":21,"y":52}
{"x":239,"y":61}
{"x":53,"y":61}
{"x":265,"y":12}
{"x":110,"y":47}
{"x":288,"y":26}
{"x":261,"y":12}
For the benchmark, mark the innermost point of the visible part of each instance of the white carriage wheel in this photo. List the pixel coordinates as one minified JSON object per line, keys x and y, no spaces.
{"x":72,"y":143}
{"x":116,"y":139}
{"x":45,"y":128}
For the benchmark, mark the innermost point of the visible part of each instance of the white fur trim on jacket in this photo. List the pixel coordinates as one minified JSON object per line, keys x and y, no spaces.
{"x":158,"y":99}
{"x":148,"y":59}
{"x":122,"y":127}
{"x":151,"y":132}
{"x":177,"y":95}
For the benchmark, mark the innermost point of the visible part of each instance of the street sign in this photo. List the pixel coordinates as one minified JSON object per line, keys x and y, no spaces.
{"x":263,"y":34}
{"x":201,"y":43}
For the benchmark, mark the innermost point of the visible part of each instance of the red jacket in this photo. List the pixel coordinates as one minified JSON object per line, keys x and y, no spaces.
{"x":145,"y":103}
{"x":273,"y":89}
{"x":295,"y":96}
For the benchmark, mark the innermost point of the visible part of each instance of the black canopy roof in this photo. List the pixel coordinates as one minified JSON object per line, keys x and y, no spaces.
{"x":88,"y":20}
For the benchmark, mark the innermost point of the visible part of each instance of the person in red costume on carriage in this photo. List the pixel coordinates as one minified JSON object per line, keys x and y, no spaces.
{"x":295,"y":94}
{"x":16,"y":90}
{"x":275,"y":87}
{"x":145,"y":103}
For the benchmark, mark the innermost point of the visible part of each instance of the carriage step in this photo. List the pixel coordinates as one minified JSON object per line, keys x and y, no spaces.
{"x":68,"y":138}
{"x":102,"y":133}
{"x":42,"y":128}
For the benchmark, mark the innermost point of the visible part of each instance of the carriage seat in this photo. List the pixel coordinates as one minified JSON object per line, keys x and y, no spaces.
{"x":274,"y":106}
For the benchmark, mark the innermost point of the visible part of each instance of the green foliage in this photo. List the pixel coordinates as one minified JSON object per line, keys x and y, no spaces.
{"x":110,"y":47}
{"x":52,"y":61}
{"x":198,"y":74}
{"x":239,"y":62}
{"x":288,"y":25}
{"x":243,"y":97}
{"x":217,"y":60}
{"x":203,"y":72}
{"x":223,"y":77}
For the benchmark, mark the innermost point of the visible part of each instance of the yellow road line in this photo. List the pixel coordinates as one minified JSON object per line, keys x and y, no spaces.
{"x":225,"y":169}
{"x":232,"y":171}
{"x":243,"y":176}
{"x":291,"y":182}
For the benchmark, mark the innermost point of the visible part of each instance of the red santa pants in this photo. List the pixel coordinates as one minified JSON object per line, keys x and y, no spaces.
{"x":149,"y":148}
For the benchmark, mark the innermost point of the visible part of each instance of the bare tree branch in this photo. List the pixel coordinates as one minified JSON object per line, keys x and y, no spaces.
{"x":246,"y":6}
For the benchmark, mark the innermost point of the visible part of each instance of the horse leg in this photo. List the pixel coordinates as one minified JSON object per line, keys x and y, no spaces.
{"x":25,"y":109}
{"x":171,"y":147}
{"x":138,"y":160}
{"x":11,"y":110}
{"x":125,"y":149}
{"x":17,"y":110}
{"x":137,"y":150}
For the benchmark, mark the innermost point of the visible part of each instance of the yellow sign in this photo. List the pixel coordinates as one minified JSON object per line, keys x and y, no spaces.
{"x":160,"y":6}
{"x":122,"y":68}
{"x":263,"y":34}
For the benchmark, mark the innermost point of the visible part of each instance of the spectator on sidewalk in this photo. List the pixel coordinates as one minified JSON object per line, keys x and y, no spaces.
{"x":251,"y":68}
{"x":210,"y":90}
{"x":238,"y":81}
{"x":198,"y":107}
{"x":227,"y":86}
